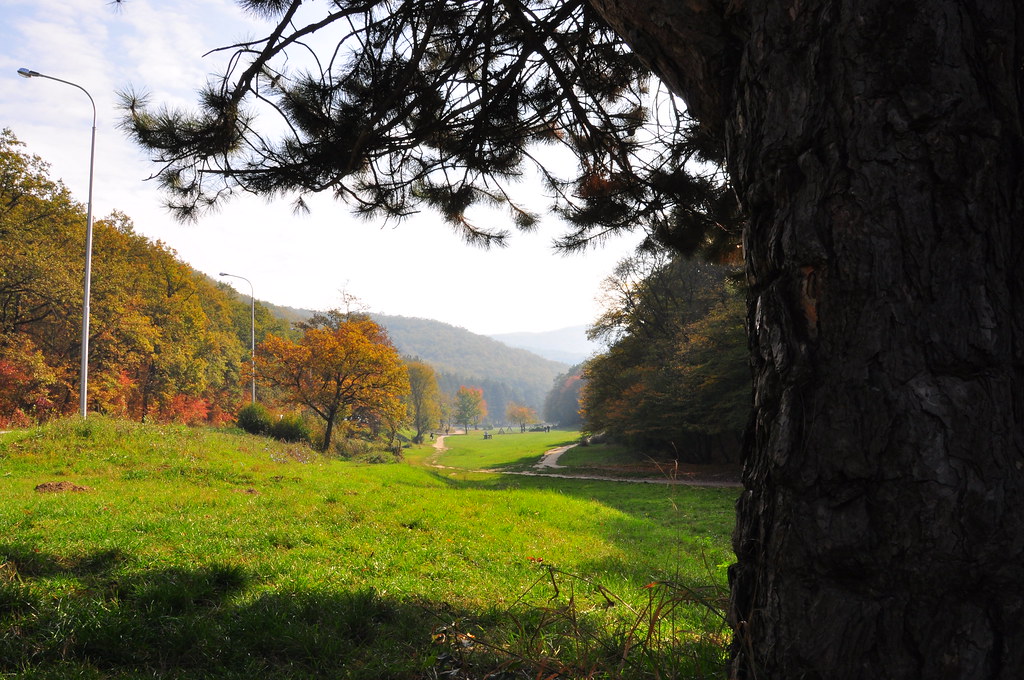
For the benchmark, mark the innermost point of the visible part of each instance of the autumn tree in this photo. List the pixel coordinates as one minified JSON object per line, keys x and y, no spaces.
{"x":707,"y":398}
{"x":424,"y":399}
{"x":674,"y":380}
{"x":520,"y":415}
{"x":40,"y":284}
{"x":872,"y":151}
{"x":27,"y":382}
{"x":161,"y":346}
{"x":470,"y":407}
{"x":562,"y":404}
{"x":343,"y":368}
{"x":157,"y":352}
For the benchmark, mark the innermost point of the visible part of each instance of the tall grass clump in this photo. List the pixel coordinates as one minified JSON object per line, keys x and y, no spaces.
{"x":585,"y":630}
{"x":291,"y":427}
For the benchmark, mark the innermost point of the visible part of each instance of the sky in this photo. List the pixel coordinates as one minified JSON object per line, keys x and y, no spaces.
{"x":419,"y":267}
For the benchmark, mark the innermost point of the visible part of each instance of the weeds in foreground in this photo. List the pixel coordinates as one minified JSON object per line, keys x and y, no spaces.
{"x":181,"y":623}
{"x":595,"y":638}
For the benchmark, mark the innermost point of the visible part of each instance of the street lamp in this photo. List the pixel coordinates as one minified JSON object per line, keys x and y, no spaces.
{"x":252,"y":296}
{"x":87,"y":277}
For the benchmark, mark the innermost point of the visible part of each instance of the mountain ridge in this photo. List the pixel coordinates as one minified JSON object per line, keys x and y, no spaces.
{"x":464,"y":357}
{"x":460,"y":356}
{"x":568,"y":345}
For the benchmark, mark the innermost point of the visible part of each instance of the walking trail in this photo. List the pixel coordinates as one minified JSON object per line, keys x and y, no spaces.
{"x":549,"y":461}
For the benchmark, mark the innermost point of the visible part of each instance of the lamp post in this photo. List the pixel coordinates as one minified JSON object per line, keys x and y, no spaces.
{"x":87,"y":277}
{"x":252,"y":297}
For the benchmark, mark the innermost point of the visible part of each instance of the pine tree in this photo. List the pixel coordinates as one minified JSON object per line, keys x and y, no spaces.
{"x":873,"y":149}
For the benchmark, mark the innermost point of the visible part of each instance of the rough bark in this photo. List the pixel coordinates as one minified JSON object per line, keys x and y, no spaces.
{"x":686,"y":43}
{"x":877,"y":148}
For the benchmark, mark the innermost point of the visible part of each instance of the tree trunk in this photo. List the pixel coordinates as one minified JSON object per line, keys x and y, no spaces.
{"x":329,"y":430}
{"x":877,"y":148}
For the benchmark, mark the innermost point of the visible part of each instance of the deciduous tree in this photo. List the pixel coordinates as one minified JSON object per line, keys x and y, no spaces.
{"x":520,"y":415}
{"x":675,"y":363}
{"x":40,"y":293}
{"x":160,"y":333}
{"x":470,"y":407}
{"x":344,"y":371}
{"x":28,"y":384}
{"x":40,"y":273}
{"x":424,"y":400}
{"x":163,"y":341}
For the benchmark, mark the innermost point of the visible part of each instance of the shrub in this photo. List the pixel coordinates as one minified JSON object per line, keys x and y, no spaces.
{"x":363,"y":451}
{"x":254,"y":419}
{"x":290,"y":428}
{"x":349,"y":449}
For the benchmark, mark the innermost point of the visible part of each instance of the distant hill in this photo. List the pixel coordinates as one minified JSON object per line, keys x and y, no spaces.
{"x":461,"y":357}
{"x":289,"y":314}
{"x":567,"y":345}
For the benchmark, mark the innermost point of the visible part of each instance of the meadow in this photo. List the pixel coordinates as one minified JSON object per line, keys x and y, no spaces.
{"x":504,"y":452}
{"x":135,"y":551}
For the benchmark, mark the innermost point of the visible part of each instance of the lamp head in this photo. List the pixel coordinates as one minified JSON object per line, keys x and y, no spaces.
{"x":224,"y":274}
{"x":27,"y":73}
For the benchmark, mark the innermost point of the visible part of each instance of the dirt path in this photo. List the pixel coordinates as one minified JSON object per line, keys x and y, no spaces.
{"x":550,"y":458}
{"x":549,"y":461}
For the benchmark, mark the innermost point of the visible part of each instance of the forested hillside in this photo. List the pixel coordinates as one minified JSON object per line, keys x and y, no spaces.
{"x":166,"y":341}
{"x":461,"y":357}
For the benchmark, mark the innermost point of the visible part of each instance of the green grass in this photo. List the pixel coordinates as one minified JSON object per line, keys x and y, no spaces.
{"x":515,"y":451}
{"x":599,"y":454}
{"x":198,"y":553}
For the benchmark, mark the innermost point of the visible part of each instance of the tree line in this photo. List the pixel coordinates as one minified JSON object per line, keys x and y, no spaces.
{"x":169,"y":344}
{"x":674,"y":380}
{"x":166,"y":342}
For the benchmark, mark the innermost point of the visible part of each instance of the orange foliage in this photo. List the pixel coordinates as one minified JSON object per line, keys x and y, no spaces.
{"x":28,"y":384}
{"x":185,"y":409}
{"x":350,"y":373}
{"x":596,"y":185}
{"x":520,"y":415}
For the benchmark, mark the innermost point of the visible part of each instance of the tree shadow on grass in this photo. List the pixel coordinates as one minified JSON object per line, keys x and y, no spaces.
{"x":112,"y":620}
{"x":628,"y":497}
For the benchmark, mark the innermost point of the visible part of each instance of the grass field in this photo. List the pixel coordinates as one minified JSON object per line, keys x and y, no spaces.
{"x":590,"y":456}
{"x":197,"y":553}
{"x":516,"y":451}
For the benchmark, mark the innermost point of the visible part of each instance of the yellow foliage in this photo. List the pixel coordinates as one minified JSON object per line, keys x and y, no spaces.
{"x":349,"y":373}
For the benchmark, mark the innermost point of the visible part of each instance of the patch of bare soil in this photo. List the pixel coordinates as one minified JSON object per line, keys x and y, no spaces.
{"x":60,"y":487}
